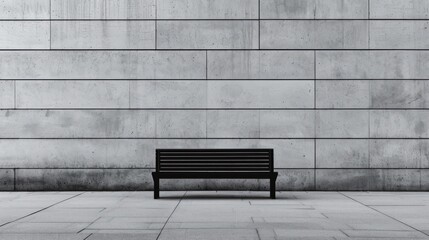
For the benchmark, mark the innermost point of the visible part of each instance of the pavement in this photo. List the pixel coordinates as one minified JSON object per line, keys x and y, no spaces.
{"x":211,"y":215}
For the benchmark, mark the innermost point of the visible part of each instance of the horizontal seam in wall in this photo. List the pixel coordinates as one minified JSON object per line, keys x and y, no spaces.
{"x":216,"y":109}
{"x":153,"y":168}
{"x":210,"y":79}
{"x":218,"y":49}
{"x":207,"y":19}
{"x":209,"y":138}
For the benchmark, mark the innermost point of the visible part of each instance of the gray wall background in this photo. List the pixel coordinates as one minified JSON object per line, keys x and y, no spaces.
{"x":90,"y":88}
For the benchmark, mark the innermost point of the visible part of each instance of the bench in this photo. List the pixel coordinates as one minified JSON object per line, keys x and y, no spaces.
{"x":215,"y":164}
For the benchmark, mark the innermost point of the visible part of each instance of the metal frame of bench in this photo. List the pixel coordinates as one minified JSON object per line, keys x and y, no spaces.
{"x":215,"y":164}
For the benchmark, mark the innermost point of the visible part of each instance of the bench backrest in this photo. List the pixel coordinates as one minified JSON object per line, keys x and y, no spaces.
{"x":214,"y":160}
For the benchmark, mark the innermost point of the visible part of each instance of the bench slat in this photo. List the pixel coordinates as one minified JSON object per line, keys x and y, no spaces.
{"x":264,"y":155}
{"x":211,"y":161}
{"x":214,"y":165}
{"x":217,"y":169}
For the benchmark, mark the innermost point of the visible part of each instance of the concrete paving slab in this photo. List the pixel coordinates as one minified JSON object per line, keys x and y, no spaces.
{"x":214,"y":215}
{"x":123,"y":236}
{"x":33,"y":236}
{"x":385,"y":234}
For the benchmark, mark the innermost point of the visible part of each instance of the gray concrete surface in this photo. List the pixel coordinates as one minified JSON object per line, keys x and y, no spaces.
{"x":90,"y":88}
{"x":213,"y":215}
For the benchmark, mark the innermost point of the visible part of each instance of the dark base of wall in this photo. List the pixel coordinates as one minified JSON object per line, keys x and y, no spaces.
{"x":141,"y":180}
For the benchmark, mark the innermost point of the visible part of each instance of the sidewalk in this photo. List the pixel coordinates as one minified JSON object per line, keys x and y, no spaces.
{"x":213,"y":215}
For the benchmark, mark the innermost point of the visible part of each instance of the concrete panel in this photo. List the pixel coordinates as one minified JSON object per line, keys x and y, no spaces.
{"x":399,"y":153}
{"x":399,"y":9}
{"x":399,"y":124}
{"x":342,"y":124}
{"x":261,"y":65}
{"x":6,"y":180}
{"x":103,"y":35}
{"x":253,"y":94}
{"x":396,"y":180}
{"x":24,"y":35}
{"x":400,"y":94}
{"x":342,"y":153}
{"x":24,"y":9}
{"x":295,"y":179}
{"x":399,"y":64}
{"x":77,"y":124}
{"x":77,"y":153}
{"x":341,"y":9}
{"x":233,"y":124}
{"x":287,"y":9}
{"x":343,"y":65}
{"x":287,"y":124}
{"x":83,"y":179}
{"x":310,"y":34}
{"x":288,"y":153}
{"x":102,"y":65}
{"x":87,"y":153}
{"x":399,"y":34}
{"x":342,"y":94}
{"x":206,"y":9}
{"x":181,"y":124}
{"x":72,"y":94}
{"x":291,"y":153}
{"x":103,"y":9}
{"x":314,"y":9}
{"x":372,"y":64}
{"x":344,"y":179}
{"x":207,"y":35}
{"x":179,"y":143}
{"x":168,"y":94}
{"x":424,"y":179}
{"x":7,"y":97}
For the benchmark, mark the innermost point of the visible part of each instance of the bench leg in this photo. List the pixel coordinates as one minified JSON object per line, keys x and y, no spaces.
{"x":156,"y":188}
{"x":273,"y":188}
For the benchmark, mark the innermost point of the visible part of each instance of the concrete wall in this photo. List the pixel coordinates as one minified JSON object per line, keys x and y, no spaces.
{"x":89,"y":90}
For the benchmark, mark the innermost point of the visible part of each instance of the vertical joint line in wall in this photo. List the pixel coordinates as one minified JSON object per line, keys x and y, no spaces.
{"x":369,"y":140}
{"x":369,"y":125}
{"x":206,"y":65}
{"x":14,"y":179}
{"x":369,"y":25}
{"x":314,"y":150}
{"x":315,"y":114}
{"x":259,"y":123}
{"x":14,"y":94}
{"x":129,"y":93}
{"x":50,"y":25}
{"x":420,"y":170}
{"x":207,"y":93}
{"x":369,"y":9}
{"x":156,"y":24}
{"x":259,"y":24}
{"x":206,"y":124}
{"x":314,"y":76}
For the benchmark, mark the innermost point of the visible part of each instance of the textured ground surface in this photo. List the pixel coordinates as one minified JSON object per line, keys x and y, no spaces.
{"x":213,"y":215}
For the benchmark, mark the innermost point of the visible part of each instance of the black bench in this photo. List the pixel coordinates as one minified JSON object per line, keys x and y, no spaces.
{"x":215,"y":163}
